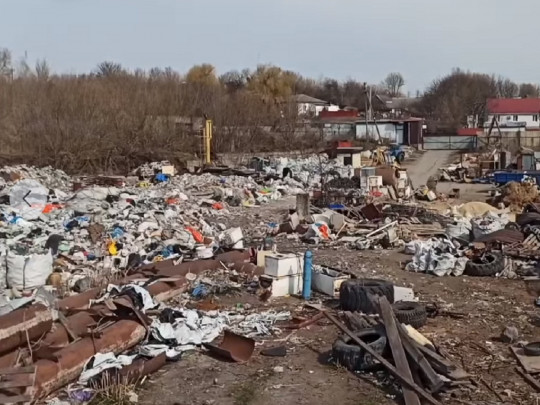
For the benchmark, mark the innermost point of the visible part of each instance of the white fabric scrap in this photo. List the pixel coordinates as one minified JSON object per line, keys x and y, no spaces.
{"x":102,"y":362}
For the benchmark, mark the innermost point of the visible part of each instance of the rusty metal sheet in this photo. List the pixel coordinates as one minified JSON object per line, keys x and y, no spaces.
{"x":52,"y":375}
{"x":371,"y":212}
{"x":22,"y":324}
{"x":195,"y":267}
{"x":141,"y":367}
{"x":233,"y":347}
{"x":59,"y":336}
{"x":248,"y":268}
{"x":502,"y":236}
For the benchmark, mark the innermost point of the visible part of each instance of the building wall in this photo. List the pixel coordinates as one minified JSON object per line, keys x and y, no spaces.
{"x":387,"y":131}
{"x":315,"y":109}
{"x":530,"y":120}
{"x":339,"y":129}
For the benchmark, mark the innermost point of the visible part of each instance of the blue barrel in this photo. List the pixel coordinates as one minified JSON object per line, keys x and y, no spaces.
{"x":306,"y":290}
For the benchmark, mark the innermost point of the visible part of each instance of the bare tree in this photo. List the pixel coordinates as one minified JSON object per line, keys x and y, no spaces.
{"x":42,"y":69}
{"x":23,"y":69}
{"x":109,"y":69}
{"x":506,"y":88}
{"x":5,"y":62}
{"x":393,"y":84}
{"x":529,"y":90}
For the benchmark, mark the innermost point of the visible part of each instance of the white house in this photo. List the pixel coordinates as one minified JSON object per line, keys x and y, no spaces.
{"x":514,"y":113}
{"x":312,"y":106}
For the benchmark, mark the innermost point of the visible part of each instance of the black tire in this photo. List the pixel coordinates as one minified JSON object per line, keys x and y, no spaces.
{"x":513,"y":226}
{"x":356,"y":294}
{"x":410,"y":313}
{"x":400,"y":157}
{"x":532,"y":349}
{"x":348,"y":354}
{"x":489,"y":265}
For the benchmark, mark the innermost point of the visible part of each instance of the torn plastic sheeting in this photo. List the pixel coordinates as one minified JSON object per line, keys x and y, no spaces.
{"x":28,"y":272}
{"x":488,"y":223}
{"x":435,"y":256}
{"x":28,"y":197}
{"x":191,"y":329}
{"x":101,"y":362}
{"x":258,"y":324}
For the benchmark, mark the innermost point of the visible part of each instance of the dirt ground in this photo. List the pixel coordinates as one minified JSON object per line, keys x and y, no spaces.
{"x":481,"y":308}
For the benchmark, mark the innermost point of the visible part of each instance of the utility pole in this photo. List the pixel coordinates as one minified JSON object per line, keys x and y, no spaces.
{"x":366,"y":110}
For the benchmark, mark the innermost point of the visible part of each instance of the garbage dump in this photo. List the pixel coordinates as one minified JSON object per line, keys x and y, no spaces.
{"x":115,"y":276}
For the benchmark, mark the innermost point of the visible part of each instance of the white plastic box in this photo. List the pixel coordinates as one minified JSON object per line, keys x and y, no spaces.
{"x":283,"y":264}
{"x":328,"y":282}
{"x":287,"y":285}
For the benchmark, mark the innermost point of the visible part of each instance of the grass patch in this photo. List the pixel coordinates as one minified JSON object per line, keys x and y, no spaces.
{"x":112,"y":390}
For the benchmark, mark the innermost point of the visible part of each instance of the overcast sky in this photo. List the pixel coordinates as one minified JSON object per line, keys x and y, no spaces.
{"x":360,"y":39}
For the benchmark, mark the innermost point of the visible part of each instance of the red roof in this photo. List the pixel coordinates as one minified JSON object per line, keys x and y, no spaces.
{"x":338,"y":114}
{"x":513,"y":105}
{"x":468,"y":131}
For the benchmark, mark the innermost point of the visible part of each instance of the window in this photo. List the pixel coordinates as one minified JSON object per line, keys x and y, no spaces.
{"x":515,"y":117}
{"x":535,"y":117}
{"x":508,"y":118}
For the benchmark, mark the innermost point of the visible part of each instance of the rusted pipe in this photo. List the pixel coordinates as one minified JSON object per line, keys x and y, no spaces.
{"x":141,"y":367}
{"x":24,"y":324}
{"x":52,"y":375}
{"x":79,"y":301}
{"x":59,"y":337}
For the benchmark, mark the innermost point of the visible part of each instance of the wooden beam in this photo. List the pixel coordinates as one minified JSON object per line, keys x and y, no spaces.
{"x":403,"y":379}
{"x":533,"y":382}
{"x":435,"y":384}
{"x":398,"y":352}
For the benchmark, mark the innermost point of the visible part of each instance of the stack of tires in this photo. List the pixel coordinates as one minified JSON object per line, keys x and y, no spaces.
{"x":357,"y":295}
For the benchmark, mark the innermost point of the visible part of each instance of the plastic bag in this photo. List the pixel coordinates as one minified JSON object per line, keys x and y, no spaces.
{"x":28,"y":197}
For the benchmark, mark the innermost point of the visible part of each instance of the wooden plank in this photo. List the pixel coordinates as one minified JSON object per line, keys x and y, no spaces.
{"x":17,"y":383}
{"x":442,"y":365}
{"x":404,"y":380}
{"x":4,"y":399}
{"x":430,"y":376}
{"x":533,"y":382}
{"x":531,"y":364}
{"x":17,"y":370}
{"x":398,"y":352}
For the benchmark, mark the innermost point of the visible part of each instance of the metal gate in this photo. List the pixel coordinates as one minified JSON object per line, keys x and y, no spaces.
{"x":450,"y":142}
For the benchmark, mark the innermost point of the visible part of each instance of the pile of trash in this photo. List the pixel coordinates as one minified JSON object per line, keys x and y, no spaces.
{"x":59,"y":236}
{"x":47,"y":176}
